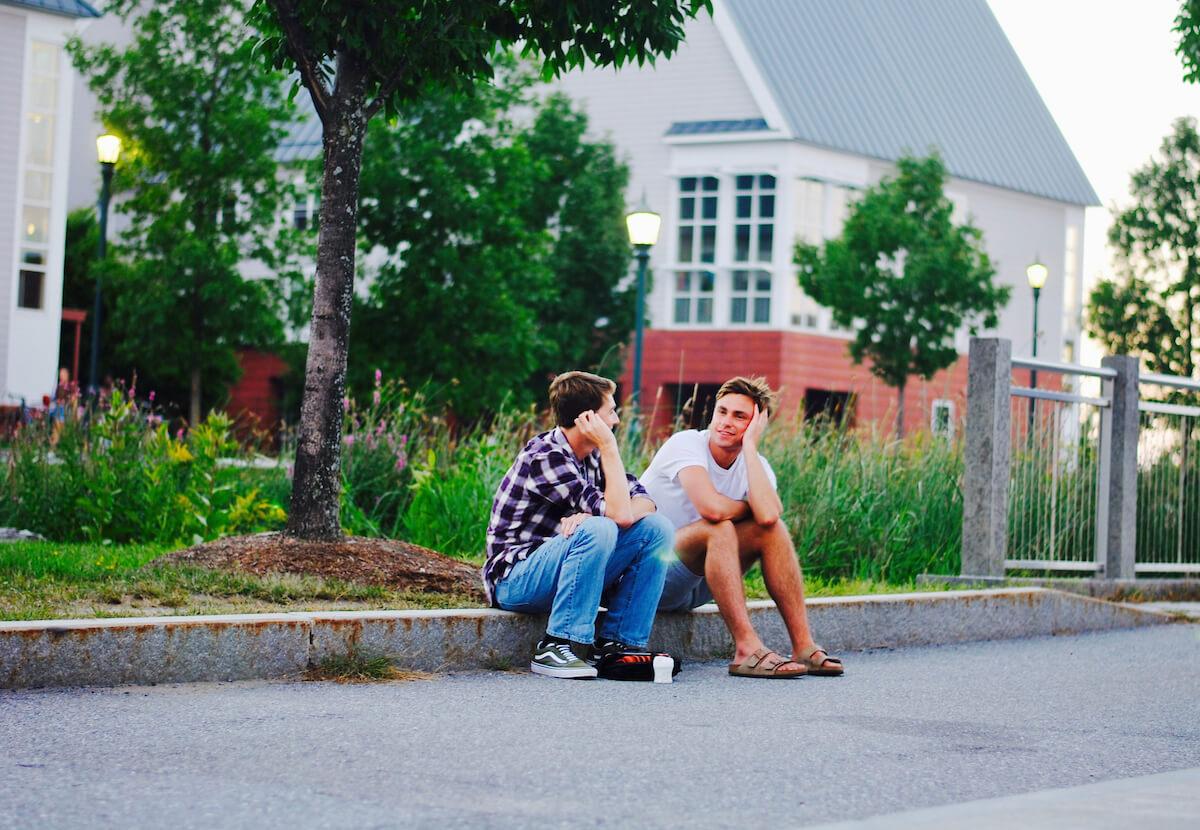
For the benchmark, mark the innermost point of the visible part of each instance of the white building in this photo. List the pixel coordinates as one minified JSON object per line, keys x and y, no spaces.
{"x":757,"y":132}
{"x":35,"y":129}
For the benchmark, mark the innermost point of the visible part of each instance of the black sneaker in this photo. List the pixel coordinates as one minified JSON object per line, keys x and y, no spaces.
{"x":558,"y":660}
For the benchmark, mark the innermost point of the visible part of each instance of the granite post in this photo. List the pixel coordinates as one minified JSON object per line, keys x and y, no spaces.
{"x":988,"y":457}
{"x":1117,"y":524}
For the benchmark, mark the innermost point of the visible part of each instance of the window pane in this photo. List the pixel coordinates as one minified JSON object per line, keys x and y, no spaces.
{"x":37,"y":186}
{"x":737,"y":310}
{"x":766,"y":182}
{"x":708,"y":243}
{"x":741,"y":280}
{"x":743,"y":207}
{"x":745,"y":182}
{"x":687,"y":208}
{"x":762,"y":280}
{"x":766,"y":207}
{"x":709,"y":210}
{"x":45,"y":58}
{"x":42,"y":93}
{"x":704,"y":310}
{"x":683,"y":281}
{"x":33,"y":257}
{"x":710,"y":183}
{"x":707,"y":278}
{"x":682,"y":310}
{"x":685,"y":243}
{"x":741,"y":243}
{"x":29,"y":292}
{"x":687,"y":184}
{"x":762,"y":310}
{"x":766,"y":234}
{"x":41,"y":139}
{"x":34,"y":221}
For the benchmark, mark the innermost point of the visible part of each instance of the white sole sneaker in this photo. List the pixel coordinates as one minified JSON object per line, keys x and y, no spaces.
{"x":567,"y":673}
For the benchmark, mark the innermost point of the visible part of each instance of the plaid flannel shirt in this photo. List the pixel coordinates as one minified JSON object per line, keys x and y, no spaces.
{"x":544,"y":485}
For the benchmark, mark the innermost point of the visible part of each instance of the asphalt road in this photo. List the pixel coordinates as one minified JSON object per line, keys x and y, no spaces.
{"x":905,"y":729}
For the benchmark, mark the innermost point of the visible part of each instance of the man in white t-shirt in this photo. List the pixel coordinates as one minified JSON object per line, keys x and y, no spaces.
{"x":720,"y":495}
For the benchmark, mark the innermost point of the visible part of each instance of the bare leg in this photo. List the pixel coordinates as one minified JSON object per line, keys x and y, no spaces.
{"x":712,"y":549}
{"x":781,"y":573}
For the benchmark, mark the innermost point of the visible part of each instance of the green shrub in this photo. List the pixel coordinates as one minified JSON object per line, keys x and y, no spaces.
{"x":115,"y":474}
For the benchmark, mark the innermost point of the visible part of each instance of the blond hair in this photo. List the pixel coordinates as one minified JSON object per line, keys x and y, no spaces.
{"x":754,"y":388}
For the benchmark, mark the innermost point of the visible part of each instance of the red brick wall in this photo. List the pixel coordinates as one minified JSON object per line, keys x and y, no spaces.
{"x":253,"y":400}
{"x":792,"y":361}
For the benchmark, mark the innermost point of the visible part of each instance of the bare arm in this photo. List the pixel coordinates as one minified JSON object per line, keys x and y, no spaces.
{"x":764,"y":501}
{"x":617,"y":504}
{"x":642,"y":507}
{"x":711,"y":505}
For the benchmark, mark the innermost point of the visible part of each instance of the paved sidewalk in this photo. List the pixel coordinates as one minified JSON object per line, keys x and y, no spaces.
{"x":1167,"y":801}
{"x":905,"y":729}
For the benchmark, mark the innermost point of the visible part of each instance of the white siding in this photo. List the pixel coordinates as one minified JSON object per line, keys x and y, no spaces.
{"x":634,"y":106}
{"x":12,"y":66}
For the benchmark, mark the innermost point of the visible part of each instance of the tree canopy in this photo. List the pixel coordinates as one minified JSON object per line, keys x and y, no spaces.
{"x":200,"y":118}
{"x":904,"y":276}
{"x":1151,"y":308}
{"x":358,"y":59}
{"x":503,"y":232}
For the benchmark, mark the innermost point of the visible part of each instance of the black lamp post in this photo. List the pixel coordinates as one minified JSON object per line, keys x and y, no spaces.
{"x":1036,"y":274}
{"x":643,"y":225}
{"x":108,"y":149}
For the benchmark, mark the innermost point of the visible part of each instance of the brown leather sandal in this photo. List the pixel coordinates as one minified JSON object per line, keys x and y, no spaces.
{"x":753,"y":666}
{"x":827,"y":666}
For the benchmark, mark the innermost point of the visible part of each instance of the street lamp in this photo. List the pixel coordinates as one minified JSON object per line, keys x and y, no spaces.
{"x":108,"y":149}
{"x":643,"y":225}
{"x":1036,"y":275}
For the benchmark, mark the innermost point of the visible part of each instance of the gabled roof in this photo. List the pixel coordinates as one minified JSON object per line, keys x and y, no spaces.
{"x":68,"y":8}
{"x":882,"y":78}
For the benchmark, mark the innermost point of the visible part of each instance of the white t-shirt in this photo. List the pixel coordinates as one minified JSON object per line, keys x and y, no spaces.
{"x":690,"y":449}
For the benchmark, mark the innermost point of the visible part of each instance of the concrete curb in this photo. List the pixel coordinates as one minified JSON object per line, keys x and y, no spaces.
{"x":110,"y":652}
{"x":1142,"y":589}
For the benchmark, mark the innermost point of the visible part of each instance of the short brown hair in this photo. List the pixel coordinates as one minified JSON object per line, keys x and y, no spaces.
{"x":573,"y":393}
{"x":755,"y":388}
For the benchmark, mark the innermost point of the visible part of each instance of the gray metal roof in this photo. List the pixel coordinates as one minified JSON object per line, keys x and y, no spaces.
{"x":69,"y":8}
{"x":303,"y":139}
{"x":745,"y":125}
{"x":883,"y":78}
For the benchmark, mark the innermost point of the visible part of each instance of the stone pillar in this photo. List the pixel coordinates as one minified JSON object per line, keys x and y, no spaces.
{"x":987,"y":457}
{"x":1117,"y":514}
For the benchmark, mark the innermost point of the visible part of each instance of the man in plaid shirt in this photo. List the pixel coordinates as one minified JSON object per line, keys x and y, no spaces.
{"x":568,"y":525}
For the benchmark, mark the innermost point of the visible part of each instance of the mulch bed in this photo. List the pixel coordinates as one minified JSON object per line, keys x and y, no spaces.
{"x":396,"y":565}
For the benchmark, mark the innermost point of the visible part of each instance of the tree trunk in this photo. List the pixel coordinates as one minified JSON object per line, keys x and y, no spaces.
{"x":194,"y":413}
{"x":900,"y":410}
{"x":316,"y":487}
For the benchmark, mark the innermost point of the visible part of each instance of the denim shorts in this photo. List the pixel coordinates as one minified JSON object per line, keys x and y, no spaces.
{"x":683,"y":590}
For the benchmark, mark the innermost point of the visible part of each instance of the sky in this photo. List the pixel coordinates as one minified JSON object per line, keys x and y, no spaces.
{"x":1108,"y":72}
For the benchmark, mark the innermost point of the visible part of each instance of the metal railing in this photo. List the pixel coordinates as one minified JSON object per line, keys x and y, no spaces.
{"x":1057,"y":475}
{"x":1168,"y":477}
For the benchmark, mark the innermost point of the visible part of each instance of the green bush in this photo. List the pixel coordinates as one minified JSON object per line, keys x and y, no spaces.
{"x":115,"y":474}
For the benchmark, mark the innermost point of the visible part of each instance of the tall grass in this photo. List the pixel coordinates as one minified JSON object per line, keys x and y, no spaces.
{"x":859,"y":506}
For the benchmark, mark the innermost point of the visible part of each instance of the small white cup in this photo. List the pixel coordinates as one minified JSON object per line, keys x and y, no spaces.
{"x":662,"y":668}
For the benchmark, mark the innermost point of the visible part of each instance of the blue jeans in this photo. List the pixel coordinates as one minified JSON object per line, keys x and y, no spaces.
{"x":567,"y":576}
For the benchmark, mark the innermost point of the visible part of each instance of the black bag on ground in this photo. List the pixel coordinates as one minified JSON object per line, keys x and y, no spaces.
{"x":633,"y":665}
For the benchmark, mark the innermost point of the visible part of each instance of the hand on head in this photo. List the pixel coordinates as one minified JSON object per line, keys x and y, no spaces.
{"x":757,"y":426}
{"x":592,"y":427}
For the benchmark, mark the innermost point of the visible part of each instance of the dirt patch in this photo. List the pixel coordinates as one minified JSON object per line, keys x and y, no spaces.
{"x":396,"y":565}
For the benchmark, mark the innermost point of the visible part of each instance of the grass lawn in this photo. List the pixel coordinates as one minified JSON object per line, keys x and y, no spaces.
{"x":51,"y":580}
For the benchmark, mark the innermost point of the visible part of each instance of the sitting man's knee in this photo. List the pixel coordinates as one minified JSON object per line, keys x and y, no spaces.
{"x":659,"y":525}
{"x":600,"y":530}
